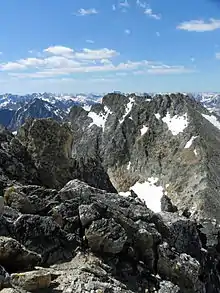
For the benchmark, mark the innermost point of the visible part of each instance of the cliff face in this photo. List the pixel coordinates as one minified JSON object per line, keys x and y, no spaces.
{"x":171,"y":140}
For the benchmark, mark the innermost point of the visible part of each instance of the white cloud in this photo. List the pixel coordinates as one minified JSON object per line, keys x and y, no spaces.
{"x":59,"y":50}
{"x":158,"y":34}
{"x":141,"y":4}
{"x":113,"y":7}
{"x":105,"y":61}
{"x":127,"y":32}
{"x":84,"y":12}
{"x":11,"y":66}
{"x":88,"y":54}
{"x":165,"y":69}
{"x":200,"y":25}
{"x":67,"y":62}
{"x":90,"y":41}
{"x":150,"y":13}
{"x":217,"y":55}
{"x":124,"y":4}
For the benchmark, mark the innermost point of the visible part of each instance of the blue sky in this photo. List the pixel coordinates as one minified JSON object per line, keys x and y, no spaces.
{"x":104,"y":45}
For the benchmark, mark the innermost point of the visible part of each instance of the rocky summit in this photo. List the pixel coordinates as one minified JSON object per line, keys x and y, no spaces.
{"x":122,"y":198}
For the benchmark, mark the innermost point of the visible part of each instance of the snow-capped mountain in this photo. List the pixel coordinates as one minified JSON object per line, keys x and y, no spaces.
{"x":210,"y":100}
{"x":15,"y":109}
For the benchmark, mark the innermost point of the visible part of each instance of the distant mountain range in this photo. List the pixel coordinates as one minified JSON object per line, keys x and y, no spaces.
{"x":15,"y":109}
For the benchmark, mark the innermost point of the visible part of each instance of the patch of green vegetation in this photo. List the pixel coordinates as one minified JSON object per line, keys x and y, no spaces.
{"x":7,"y":193}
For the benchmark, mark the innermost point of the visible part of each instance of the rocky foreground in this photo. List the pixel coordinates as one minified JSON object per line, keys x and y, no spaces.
{"x":83,"y":239}
{"x":65,"y":228}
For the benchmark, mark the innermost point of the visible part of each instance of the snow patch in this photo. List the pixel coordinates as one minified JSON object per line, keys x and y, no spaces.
{"x":176,"y":124}
{"x":195,"y":152}
{"x":14,"y":132}
{"x":125,"y":194}
{"x":212,"y":119}
{"x":87,"y":107}
{"x":144,"y":129}
{"x":4,"y":104}
{"x":128,"y":109}
{"x":129,"y":166}
{"x":48,"y":107}
{"x":148,"y":192}
{"x":157,"y":115}
{"x":189,"y":143}
{"x":99,"y":119}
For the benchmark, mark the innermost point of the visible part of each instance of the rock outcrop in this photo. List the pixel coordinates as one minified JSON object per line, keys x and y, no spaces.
{"x":49,"y":144}
{"x":88,"y":239}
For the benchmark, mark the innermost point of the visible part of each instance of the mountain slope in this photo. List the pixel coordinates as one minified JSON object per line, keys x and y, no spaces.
{"x":35,"y":109}
{"x":170,"y":142}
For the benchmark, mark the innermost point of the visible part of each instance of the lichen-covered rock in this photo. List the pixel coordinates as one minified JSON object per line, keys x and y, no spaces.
{"x":43,"y":236}
{"x":30,"y":199}
{"x":18,"y":201}
{"x":88,"y":213}
{"x":106,"y":236}
{"x":32,"y":280}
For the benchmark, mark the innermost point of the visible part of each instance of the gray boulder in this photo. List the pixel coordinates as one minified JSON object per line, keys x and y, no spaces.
{"x":15,"y":257}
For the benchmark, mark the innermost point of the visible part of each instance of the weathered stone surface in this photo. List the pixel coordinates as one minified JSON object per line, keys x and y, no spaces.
{"x":18,"y":201}
{"x":4,"y":278}
{"x":12,"y":290}
{"x":30,"y":199}
{"x":180,"y":233}
{"x":14,"y":256}
{"x":168,"y":287}
{"x":106,"y":236}
{"x":43,"y":236}
{"x":32,"y":281}
{"x":87,"y":214}
{"x":52,"y":157}
{"x":167,"y":206}
{"x":189,"y":175}
{"x":15,"y":162}
{"x":181,"y":269}
{"x":87,"y":273}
